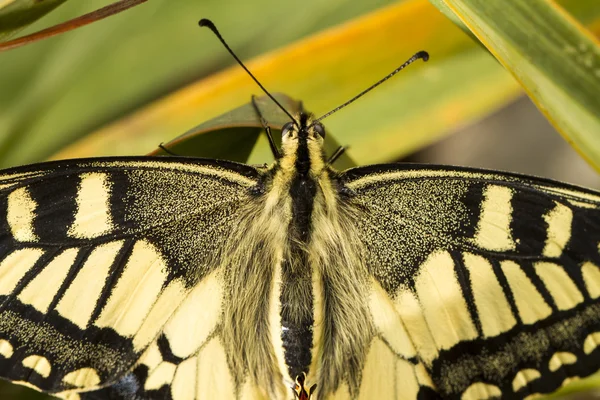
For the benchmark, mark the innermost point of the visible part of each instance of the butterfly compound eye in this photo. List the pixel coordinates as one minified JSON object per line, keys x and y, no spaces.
{"x":287,"y":128}
{"x":320,"y":129}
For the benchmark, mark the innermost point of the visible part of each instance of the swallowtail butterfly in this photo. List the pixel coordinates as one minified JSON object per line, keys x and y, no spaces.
{"x":181,"y":278}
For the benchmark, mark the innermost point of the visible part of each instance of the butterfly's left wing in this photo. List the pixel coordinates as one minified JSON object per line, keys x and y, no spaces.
{"x":485,"y":284}
{"x":96,"y":257}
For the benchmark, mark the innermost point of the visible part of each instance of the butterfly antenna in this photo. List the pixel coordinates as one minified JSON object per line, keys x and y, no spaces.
{"x":420,"y":55}
{"x":209,"y":24}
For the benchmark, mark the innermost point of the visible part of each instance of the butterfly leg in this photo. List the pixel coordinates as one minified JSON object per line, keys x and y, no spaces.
{"x":336,"y":154}
{"x":169,"y":152}
{"x":267,"y":128}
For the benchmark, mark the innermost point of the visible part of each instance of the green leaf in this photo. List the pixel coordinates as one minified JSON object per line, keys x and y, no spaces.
{"x":233,"y":134}
{"x":556,"y":61}
{"x":17,"y":14}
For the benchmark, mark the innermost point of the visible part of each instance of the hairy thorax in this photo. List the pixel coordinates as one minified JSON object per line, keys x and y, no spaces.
{"x":293,"y":259}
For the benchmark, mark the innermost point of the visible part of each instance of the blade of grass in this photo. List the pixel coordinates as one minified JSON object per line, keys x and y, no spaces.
{"x":555,"y":59}
{"x":75,"y":23}
{"x":17,"y":14}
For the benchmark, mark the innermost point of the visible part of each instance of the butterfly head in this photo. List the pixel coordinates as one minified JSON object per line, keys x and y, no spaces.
{"x":302,"y":128}
{"x":302,"y":144}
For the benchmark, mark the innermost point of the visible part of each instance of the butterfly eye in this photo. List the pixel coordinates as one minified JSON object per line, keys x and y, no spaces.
{"x":287,"y":128}
{"x":320,"y":129}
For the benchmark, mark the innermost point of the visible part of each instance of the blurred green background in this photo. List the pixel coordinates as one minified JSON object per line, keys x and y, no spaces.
{"x":149,"y":74}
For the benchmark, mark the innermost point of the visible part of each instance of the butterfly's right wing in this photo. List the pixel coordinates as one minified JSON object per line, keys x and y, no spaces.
{"x":102,"y":265}
{"x":483,"y":284}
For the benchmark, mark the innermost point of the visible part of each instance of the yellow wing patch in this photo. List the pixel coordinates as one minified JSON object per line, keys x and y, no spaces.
{"x":388,"y":322}
{"x":21,"y":215}
{"x":561,"y":287}
{"x":196,"y":317}
{"x":443,"y":304}
{"x":492,"y":306}
{"x":6,"y":349}
{"x":524,"y":377}
{"x":529,"y":301}
{"x":591,"y":277}
{"x":481,"y":391}
{"x":135,"y":292}
{"x":93,"y":216}
{"x":40,"y":292}
{"x":561,"y":358}
{"x":559,"y":222}
{"x":82,"y":378}
{"x":14,"y":267}
{"x":79,"y":301}
{"x":493,"y":231}
{"x":39,"y":364}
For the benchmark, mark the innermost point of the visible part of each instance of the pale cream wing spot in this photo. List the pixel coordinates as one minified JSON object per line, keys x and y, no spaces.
{"x":39,"y":364}
{"x":442,"y":301}
{"x":561,"y":287}
{"x":559,"y":221}
{"x":151,"y":357}
{"x":214,"y":380}
{"x":20,"y":215}
{"x":14,"y":267}
{"x":79,"y":301}
{"x":169,"y":299}
{"x":481,"y":391}
{"x":82,"y":378}
{"x":493,"y":229}
{"x":160,"y":376}
{"x":196,"y":317}
{"x":70,"y":395}
{"x":591,"y":342}
{"x":184,"y":382}
{"x":591,"y":277}
{"x":27,"y":384}
{"x":40,"y":292}
{"x":406,"y":382}
{"x":378,"y":374}
{"x":423,"y":376}
{"x":529,"y":301}
{"x":6,"y":349}
{"x":135,"y":292}
{"x":524,"y":377}
{"x":410,"y":311}
{"x":561,"y":358}
{"x":492,"y":306}
{"x":93,"y":216}
{"x":388,"y":322}
{"x":569,"y":379}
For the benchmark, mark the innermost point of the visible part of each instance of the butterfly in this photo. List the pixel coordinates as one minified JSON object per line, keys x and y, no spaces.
{"x":191,"y":278}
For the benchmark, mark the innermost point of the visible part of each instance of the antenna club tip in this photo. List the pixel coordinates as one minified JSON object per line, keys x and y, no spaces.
{"x":423,"y":55}
{"x":206,"y":22}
